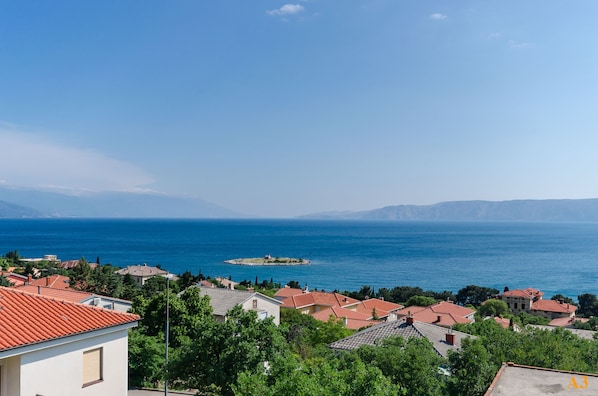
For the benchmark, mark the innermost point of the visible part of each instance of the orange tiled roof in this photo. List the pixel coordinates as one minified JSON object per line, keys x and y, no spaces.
{"x":524,"y":293}
{"x":306,"y":299}
{"x":383,"y":308}
{"x":553,"y":306}
{"x":442,"y":313}
{"x":28,"y":319}
{"x":353,"y":320}
{"x":287,"y":292}
{"x":567,"y":322}
{"x":53,"y":281}
{"x":61,"y":294}
{"x":451,"y":308}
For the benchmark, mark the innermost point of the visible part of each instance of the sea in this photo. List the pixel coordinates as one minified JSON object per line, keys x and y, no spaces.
{"x":345,"y":255}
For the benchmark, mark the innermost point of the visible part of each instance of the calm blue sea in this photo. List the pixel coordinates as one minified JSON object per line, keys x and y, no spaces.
{"x":345,"y":255}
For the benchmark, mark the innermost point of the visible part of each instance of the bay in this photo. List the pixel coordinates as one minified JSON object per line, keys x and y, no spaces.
{"x":553,"y":257}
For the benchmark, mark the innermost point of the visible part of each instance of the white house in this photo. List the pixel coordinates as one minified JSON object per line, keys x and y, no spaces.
{"x":223,"y":300}
{"x":52,"y":347}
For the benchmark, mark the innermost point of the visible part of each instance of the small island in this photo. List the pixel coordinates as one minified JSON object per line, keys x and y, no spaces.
{"x":268,"y":260}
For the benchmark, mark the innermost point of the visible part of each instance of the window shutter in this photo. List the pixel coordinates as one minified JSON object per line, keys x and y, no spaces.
{"x":92,"y":366}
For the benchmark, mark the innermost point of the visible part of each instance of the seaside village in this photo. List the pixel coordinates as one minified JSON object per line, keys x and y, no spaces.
{"x":64,"y":332}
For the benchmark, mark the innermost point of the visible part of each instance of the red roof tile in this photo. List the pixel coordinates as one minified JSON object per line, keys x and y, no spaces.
{"x":442,"y":313}
{"x":28,"y":319}
{"x":287,"y":292}
{"x":61,"y":294}
{"x":305,"y":299}
{"x":53,"y":281}
{"x":524,"y":293}
{"x":553,"y":306}
{"x":353,"y":320}
{"x":383,"y":308}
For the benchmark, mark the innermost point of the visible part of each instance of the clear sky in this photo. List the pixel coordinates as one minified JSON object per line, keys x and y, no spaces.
{"x":278,"y":109}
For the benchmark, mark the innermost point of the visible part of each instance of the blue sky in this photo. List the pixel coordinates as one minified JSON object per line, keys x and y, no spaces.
{"x":276,"y":109}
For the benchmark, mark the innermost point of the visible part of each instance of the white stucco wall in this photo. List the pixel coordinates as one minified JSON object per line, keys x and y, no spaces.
{"x":58,"y":370}
{"x":263,"y":304}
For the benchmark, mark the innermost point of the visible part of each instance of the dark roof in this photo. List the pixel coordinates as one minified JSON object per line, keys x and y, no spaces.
{"x":375,"y":334}
{"x":223,"y":300}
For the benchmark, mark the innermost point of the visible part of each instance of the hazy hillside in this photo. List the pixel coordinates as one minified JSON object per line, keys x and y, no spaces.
{"x":8,"y":209}
{"x":51,"y":204}
{"x":519,"y":210}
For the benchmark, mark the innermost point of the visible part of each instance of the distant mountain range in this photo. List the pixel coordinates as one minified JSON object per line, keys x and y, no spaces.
{"x":28,"y":203}
{"x":563,"y":210}
{"x":25,"y":203}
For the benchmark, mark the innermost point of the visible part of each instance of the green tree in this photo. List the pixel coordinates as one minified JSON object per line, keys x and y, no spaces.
{"x":4,"y":282}
{"x":493,"y":307}
{"x":420,"y":301}
{"x":219,"y":352}
{"x":13,"y":257}
{"x":146,"y":359}
{"x":79,"y":278}
{"x":4,"y":265}
{"x":565,"y":299}
{"x":475,"y":295}
{"x":588,"y":304}
{"x":401,"y":294}
{"x":472,"y":369}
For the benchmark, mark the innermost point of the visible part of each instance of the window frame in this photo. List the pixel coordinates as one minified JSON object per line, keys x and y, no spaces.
{"x":93,"y":366}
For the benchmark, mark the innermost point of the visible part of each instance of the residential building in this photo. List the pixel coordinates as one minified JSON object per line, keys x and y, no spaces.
{"x":517,"y":380}
{"x":223,"y":300}
{"x":553,"y":309}
{"x":55,"y":347}
{"x":530,"y":300}
{"x":141,"y":273}
{"x":321,"y":305}
{"x":521,"y":300}
{"x":309,"y":302}
{"x":441,"y":338}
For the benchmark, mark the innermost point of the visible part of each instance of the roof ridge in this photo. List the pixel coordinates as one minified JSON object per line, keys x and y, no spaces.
{"x":61,"y":300}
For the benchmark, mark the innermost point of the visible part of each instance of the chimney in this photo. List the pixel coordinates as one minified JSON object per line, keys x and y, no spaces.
{"x":29,"y":279}
{"x":409,"y":319}
{"x":438,"y":319}
{"x":450,"y":337}
{"x":39,"y":290}
{"x":381,"y":298}
{"x":47,"y":280}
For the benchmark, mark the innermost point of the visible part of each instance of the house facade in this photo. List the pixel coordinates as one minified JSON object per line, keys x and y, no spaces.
{"x":57,"y":348}
{"x":223,"y":300}
{"x":530,"y":300}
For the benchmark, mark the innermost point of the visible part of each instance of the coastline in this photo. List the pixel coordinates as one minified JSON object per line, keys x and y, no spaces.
{"x":268,"y":261}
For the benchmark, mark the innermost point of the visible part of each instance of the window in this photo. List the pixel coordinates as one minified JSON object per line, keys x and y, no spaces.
{"x":515,"y":305}
{"x":254,"y":303}
{"x":92,"y":367}
{"x":523,"y":306}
